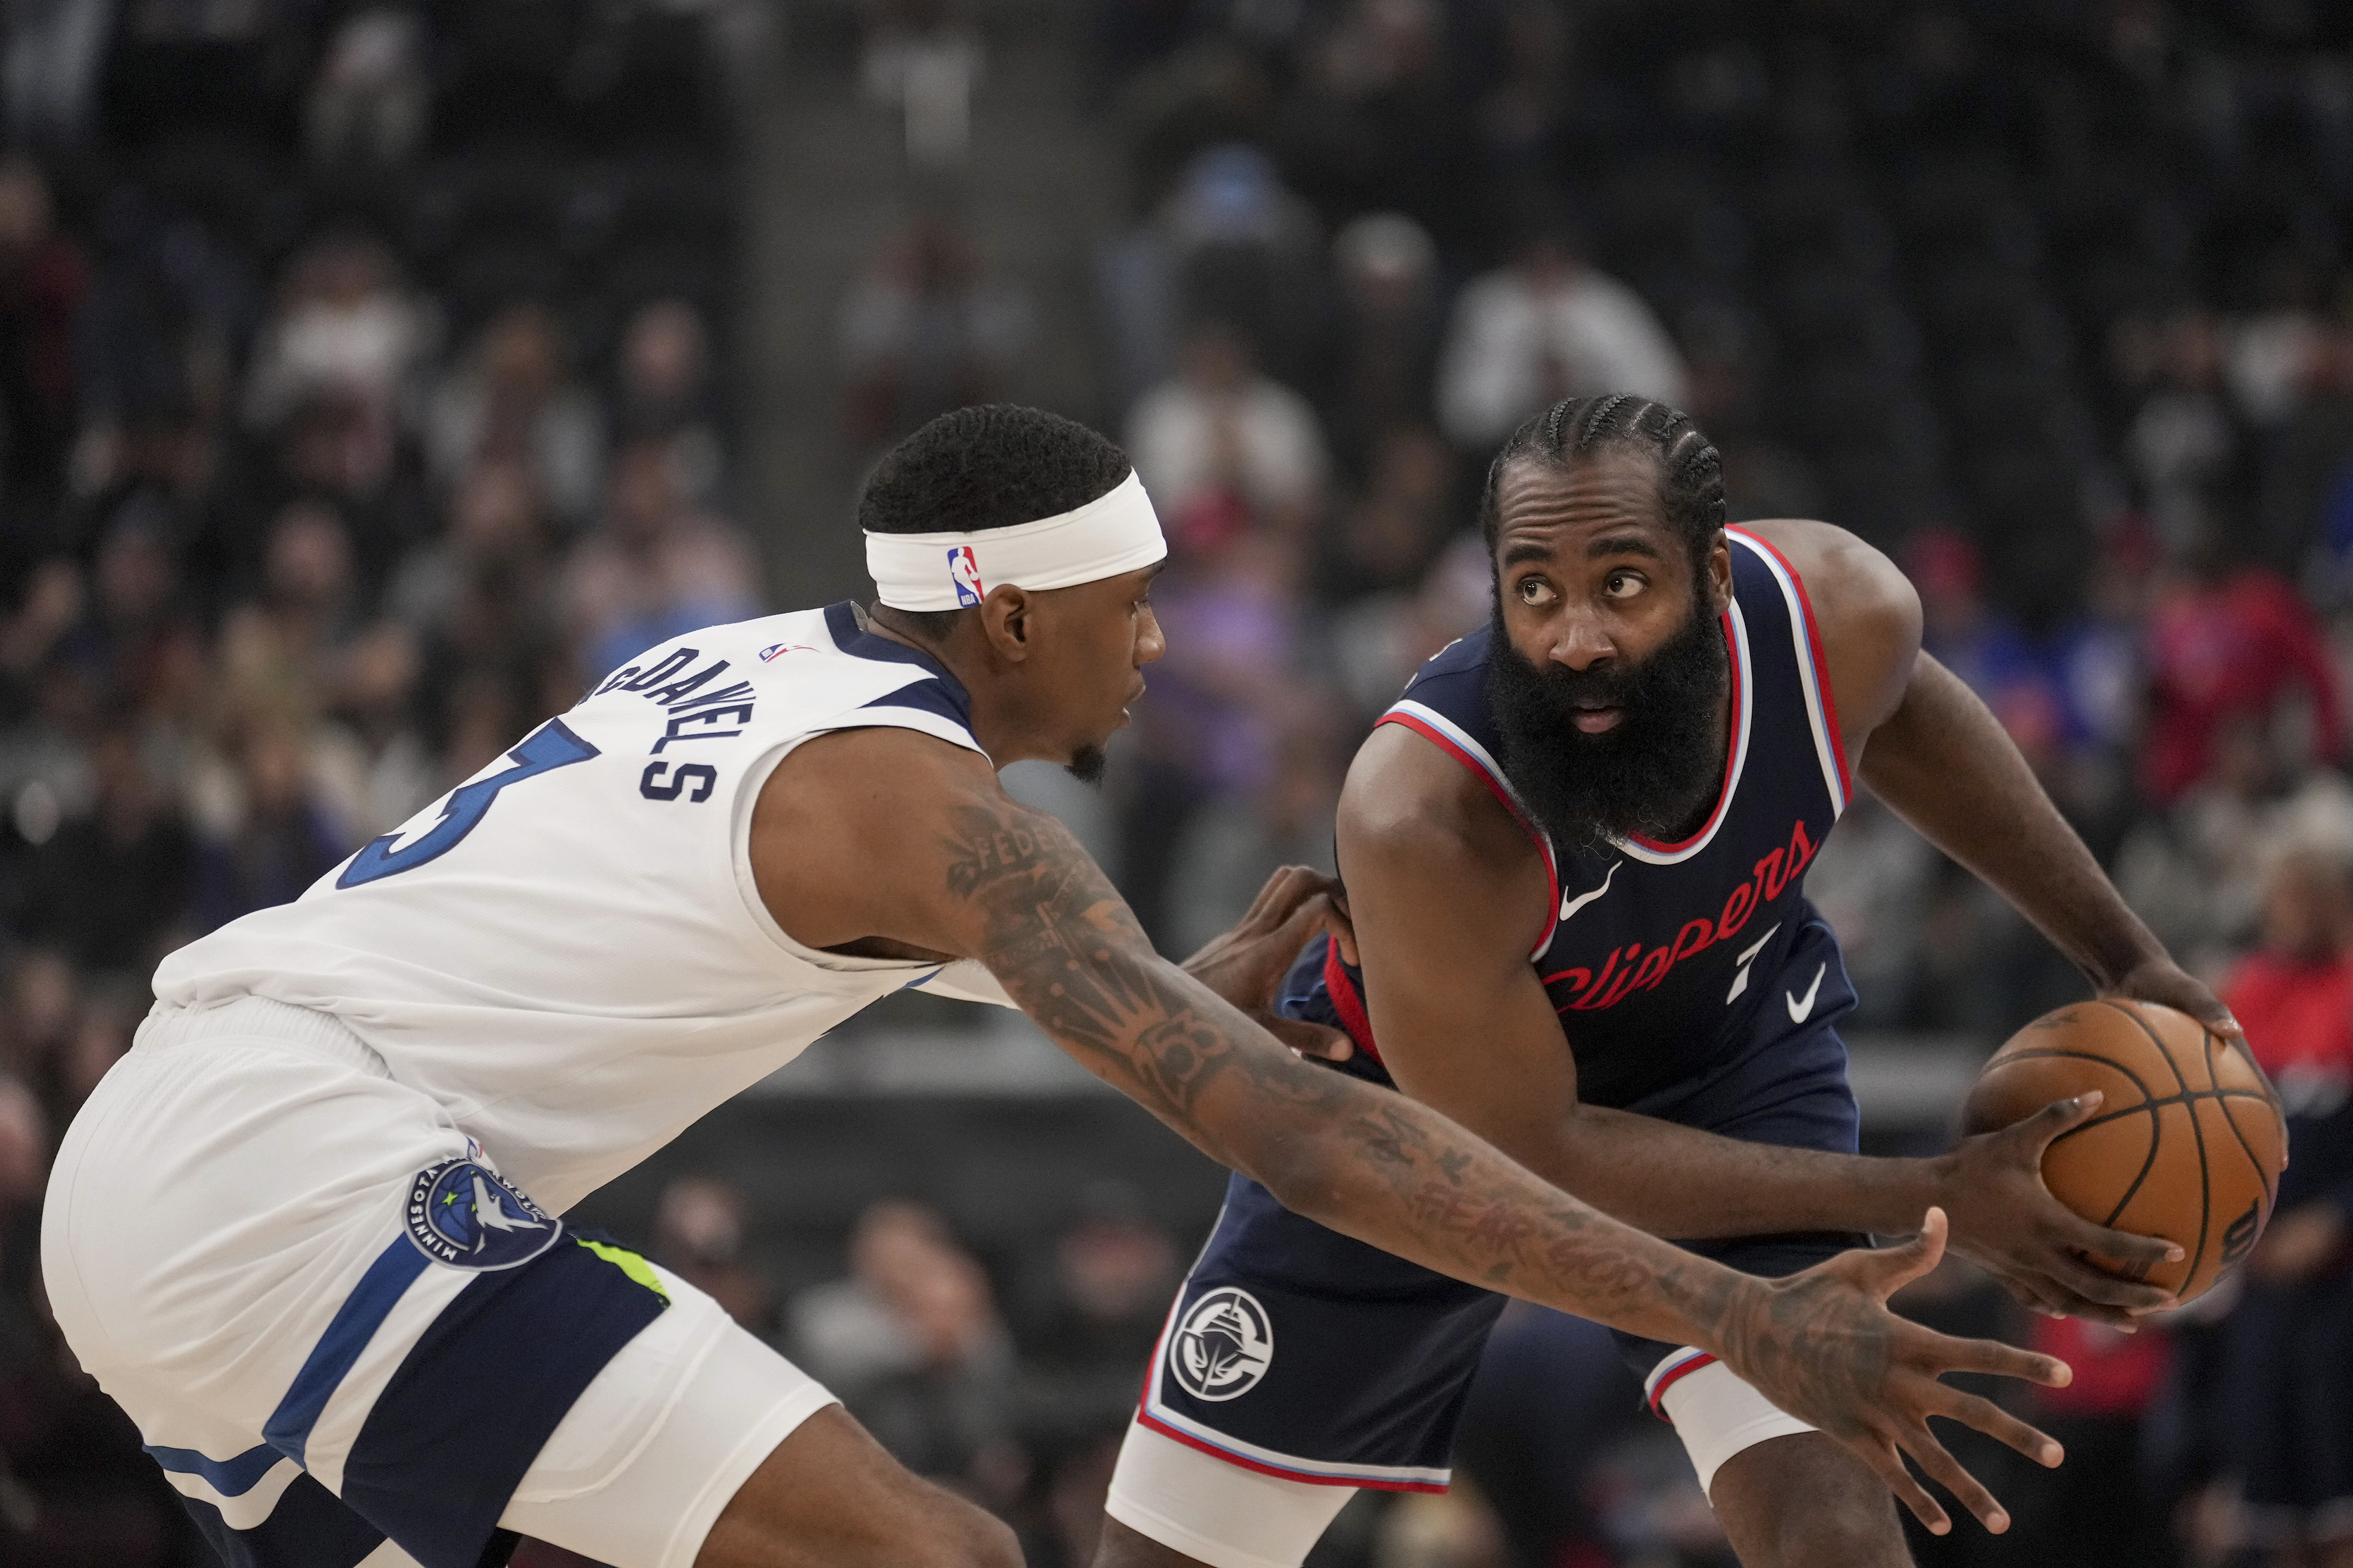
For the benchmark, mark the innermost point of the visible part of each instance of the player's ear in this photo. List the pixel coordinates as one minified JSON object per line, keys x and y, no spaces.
{"x":1719,"y":572}
{"x":1007,"y":619}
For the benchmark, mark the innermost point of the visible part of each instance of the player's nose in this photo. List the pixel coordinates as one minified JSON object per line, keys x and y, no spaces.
{"x":1580,"y":643}
{"x":1150,"y":642}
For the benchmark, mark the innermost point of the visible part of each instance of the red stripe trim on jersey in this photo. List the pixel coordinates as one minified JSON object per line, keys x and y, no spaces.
{"x":1731,"y":751}
{"x":1504,"y":797}
{"x":1672,"y":1378}
{"x":1146,"y":1418}
{"x":1347,"y":1003}
{"x":1821,"y":666}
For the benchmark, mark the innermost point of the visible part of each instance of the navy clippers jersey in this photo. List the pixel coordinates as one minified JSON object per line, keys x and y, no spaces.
{"x":1659,"y":957}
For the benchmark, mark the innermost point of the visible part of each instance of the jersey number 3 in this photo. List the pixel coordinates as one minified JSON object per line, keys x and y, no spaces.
{"x":546,"y":749}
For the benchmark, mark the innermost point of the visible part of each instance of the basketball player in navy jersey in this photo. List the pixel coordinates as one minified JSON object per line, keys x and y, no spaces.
{"x":1574,"y":852}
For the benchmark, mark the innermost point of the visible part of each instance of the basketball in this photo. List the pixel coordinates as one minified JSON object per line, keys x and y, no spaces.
{"x":2187,"y":1144}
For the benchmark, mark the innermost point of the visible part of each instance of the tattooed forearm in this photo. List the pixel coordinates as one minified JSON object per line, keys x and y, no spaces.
{"x":1365,"y":1160}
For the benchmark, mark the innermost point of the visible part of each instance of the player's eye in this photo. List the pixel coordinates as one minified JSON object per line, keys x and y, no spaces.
{"x":1534,"y":590}
{"x":1624,"y":585}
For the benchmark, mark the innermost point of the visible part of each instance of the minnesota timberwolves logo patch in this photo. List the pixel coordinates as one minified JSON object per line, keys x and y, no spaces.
{"x":459,"y":1213}
{"x":1224,"y":1346}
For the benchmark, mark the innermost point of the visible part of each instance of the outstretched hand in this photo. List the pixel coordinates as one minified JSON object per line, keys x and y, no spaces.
{"x":1823,"y":1347}
{"x":1245,"y":965}
{"x":2051,"y":1258}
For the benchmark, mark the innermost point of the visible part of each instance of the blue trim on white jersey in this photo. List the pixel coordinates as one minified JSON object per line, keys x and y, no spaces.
{"x":849,"y":638}
{"x":232,"y":1477}
{"x":932,"y":697}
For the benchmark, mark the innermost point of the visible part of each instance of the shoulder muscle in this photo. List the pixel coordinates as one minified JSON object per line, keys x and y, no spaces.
{"x":1867,"y":613}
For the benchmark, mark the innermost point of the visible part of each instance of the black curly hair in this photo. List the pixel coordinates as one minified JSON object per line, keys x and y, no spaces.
{"x":993,"y":465}
{"x":1691,"y":475}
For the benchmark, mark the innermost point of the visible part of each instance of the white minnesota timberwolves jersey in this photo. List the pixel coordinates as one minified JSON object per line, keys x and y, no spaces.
{"x":567,"y":952}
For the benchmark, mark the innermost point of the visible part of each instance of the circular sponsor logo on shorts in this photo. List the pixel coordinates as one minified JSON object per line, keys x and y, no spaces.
{"x":459,"y":1213}
{"x":1223,"y":1346}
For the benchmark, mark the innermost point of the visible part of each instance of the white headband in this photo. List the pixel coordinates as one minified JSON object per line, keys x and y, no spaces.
{"x":1117,"y":532}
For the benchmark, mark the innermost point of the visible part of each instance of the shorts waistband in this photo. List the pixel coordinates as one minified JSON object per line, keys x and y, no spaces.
{"x":258,"y":1018}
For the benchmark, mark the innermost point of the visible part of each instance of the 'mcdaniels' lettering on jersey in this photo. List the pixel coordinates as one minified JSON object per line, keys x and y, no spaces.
{"x":695,"y":707}
{"x":1648,"y":949}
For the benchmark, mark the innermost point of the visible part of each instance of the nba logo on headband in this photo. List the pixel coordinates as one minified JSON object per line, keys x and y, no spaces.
{"x":965,"y":573}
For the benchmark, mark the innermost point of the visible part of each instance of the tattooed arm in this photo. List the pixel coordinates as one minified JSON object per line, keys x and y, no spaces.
{"x":887,"y":842}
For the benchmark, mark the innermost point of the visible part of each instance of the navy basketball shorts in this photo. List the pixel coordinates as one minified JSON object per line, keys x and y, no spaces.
{"x":1298,"y":1365}
{"x":348,"y":1339}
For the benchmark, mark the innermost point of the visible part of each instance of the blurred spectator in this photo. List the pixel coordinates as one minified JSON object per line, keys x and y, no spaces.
{"x":1385,"y":353}
{"x":655,"y":567}
{"x":136,"y":603}
{"x":1873,"y":881}
{"x":1546,"y":326}
{"x":343,"y":324}
{"x":513,"y":396}
{"x":1383,"y":539}
{"x":2184,"y":440}
{"x":910,"y":1341}
{"x":2228,"y":643}
{"x":698,"y":1227}
{"x":1521,"y":119}
{"x":2306,"y":520}
{"x":1224,"y":448}
{"x":43,"y":281}
{"x":1222,"y":704}
{"x":1375,"y":120}
{"x":369,"y":98}
{"x":925,"y":330}
{"x":1229,"y":244}
{"x":160,"y":336}
{"x":664,"y":389}
{"x":479,"y":602}
{"x":110,"y":890}
{"x":1091,"y":1317}
{"x":2268,"y":360}
{"x":922,"y":59}
{"x":2097,"y":1507}
{"x":287,"y":838}
{"x":1377,"y":642}
{"x":2289,"y":1347}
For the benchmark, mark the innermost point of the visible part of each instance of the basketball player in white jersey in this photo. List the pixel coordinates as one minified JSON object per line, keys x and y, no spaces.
{"x":308,"y":1231}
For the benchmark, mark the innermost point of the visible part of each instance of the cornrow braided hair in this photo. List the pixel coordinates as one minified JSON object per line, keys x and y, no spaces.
{"x":1691,"y":475}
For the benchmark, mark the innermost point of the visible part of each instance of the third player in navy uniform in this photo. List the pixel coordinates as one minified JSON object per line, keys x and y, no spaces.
{"x":1574,"y":852}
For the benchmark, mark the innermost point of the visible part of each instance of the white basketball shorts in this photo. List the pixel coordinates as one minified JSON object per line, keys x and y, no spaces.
{"x":348,"y":1341}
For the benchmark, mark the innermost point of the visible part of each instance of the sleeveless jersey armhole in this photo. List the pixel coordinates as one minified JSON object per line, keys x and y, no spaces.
{"x":1813,"y":668}
{"x":739,"y":836}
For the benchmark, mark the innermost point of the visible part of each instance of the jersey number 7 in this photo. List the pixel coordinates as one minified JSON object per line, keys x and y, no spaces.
{"x":546,"y":749}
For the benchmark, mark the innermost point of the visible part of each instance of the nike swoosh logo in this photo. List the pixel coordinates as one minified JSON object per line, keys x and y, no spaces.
{"x":1801,"y":1011}
{"x":1570,"y":906}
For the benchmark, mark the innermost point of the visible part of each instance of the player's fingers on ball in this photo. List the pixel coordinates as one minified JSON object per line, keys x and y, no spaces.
{"x":2087,"y":1282}
{"x":1972,"y":1410}
{"x":2058,"y":1116}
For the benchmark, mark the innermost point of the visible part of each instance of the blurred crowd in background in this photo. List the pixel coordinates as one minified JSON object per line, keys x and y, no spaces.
{"x":366,"y":393}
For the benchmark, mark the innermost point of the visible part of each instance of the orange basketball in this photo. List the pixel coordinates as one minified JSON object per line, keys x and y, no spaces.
{"x":2187,"y":1144}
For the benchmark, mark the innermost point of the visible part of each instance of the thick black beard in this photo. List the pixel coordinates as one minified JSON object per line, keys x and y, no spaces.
{"x":1087,"y":764}
{"x":1658,"y":770}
